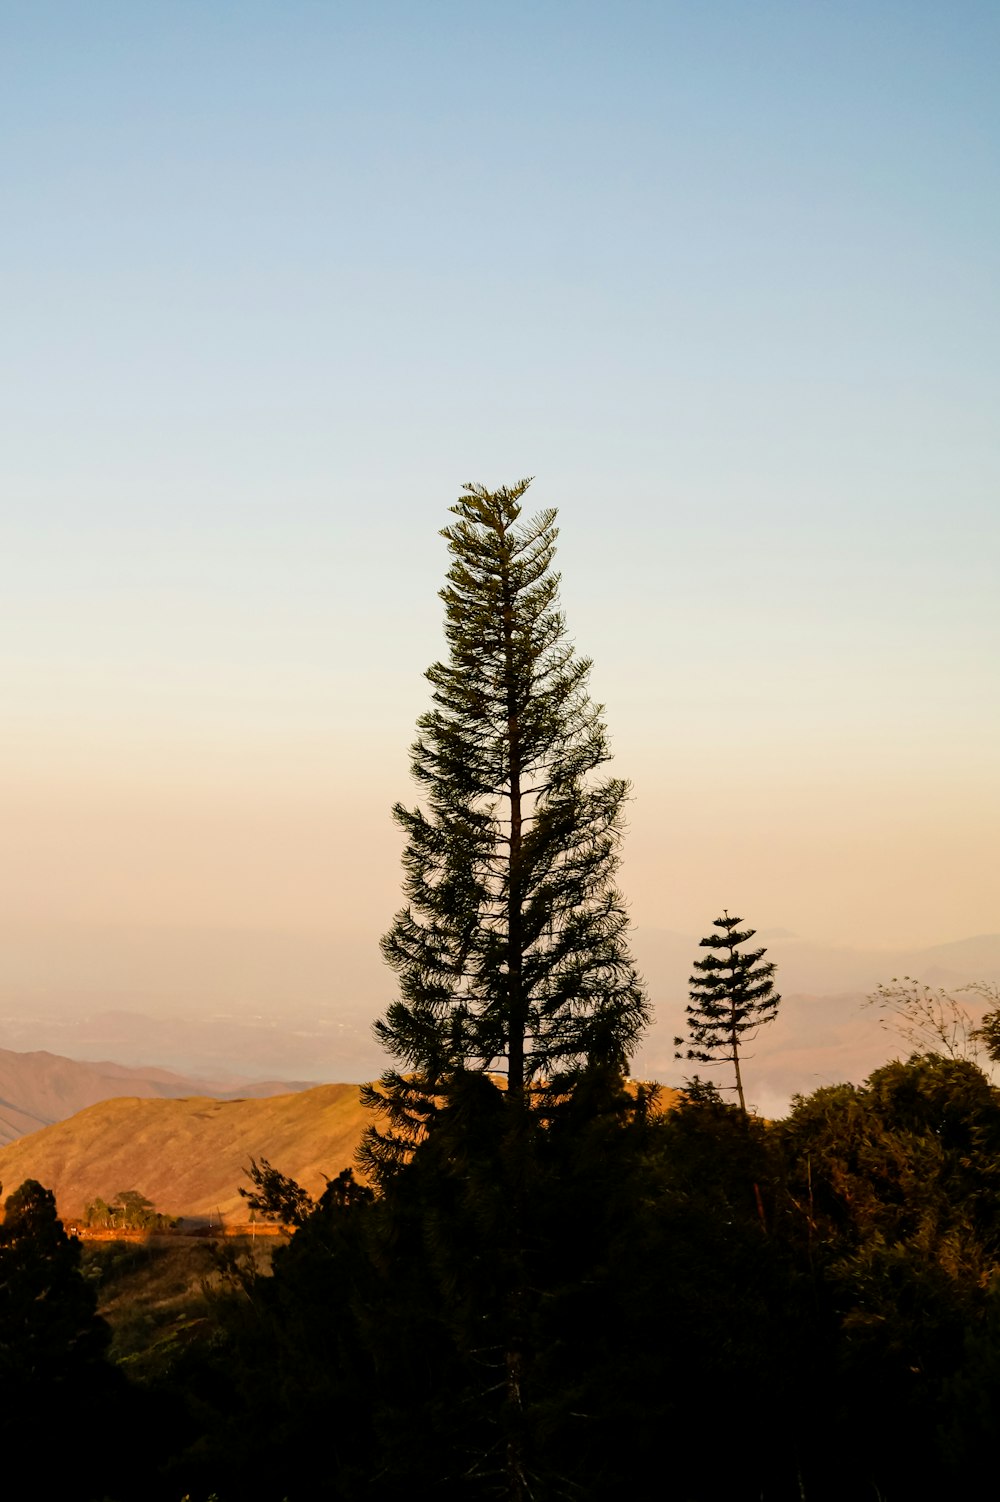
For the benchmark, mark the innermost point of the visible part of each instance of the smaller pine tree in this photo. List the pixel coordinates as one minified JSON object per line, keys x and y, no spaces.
{"x":731,"y":997}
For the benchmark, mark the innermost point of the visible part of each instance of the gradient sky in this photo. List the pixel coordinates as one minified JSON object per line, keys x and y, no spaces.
{"x":279,"y":278}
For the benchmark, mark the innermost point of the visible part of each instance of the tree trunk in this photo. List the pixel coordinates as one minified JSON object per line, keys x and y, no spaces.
{"x":739,"y":1077}
{"x":514,"y":1356}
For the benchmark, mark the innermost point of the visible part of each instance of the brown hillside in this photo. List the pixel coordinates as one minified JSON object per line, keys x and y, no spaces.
{"x":37,"y":1089}
{"x":188,"y":1156}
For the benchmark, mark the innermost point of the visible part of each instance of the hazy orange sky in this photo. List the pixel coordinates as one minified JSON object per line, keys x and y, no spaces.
{"x":281,"y":279}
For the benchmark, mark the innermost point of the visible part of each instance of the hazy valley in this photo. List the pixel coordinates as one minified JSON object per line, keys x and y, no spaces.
{"x":299,"y":1008}
{"x":89,"y":1129}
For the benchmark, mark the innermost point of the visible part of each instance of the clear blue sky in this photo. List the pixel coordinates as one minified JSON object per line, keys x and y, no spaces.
{"x":278,"y":278}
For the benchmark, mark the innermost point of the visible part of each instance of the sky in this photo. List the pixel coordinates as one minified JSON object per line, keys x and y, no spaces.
{"x":278,"y":279}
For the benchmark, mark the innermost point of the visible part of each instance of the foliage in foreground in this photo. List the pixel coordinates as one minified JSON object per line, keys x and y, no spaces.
{"x":55,"y":1379}
{"x":804,"y":1309}
{"x":808,"y":1309}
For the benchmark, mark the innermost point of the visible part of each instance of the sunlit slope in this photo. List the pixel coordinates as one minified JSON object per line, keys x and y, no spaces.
{"x":40,"y":1088}
{"x":188,"y":1156}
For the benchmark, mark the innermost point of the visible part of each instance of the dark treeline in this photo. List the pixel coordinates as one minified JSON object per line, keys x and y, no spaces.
{"x":545,"y":1287}
{"x":743,"y":1310}
{"x":802,"y":1309}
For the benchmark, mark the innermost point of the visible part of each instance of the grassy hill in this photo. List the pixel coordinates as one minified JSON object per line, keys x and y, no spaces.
{"x":188,"y":1156}
{"x":39,"y":1088}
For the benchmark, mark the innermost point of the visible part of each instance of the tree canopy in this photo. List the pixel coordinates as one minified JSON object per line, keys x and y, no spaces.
{"x":510,"y":954}
{"x":54,"y":1376}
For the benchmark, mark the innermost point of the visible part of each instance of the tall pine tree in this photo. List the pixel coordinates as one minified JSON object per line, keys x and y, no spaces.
{"x":511,"y":952}
{"x":731,"y":997}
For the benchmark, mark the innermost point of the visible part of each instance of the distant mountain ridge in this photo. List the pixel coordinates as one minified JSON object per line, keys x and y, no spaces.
{"x":40,"y":1088}
{"x":811,"y":968}
{"x":823,"y":1032}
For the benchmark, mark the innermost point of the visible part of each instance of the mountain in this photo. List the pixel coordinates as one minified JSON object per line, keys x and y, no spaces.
{"x":299,"y":1007}
{"x":284,"y":1041}
{"x":37,"y":1089}
{"x":807,"y":968}
{"x":189,"y":1155}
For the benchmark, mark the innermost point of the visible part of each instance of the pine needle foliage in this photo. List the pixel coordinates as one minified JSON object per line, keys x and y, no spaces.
{"x":510,"y":952}
{"x":732,"y":995}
